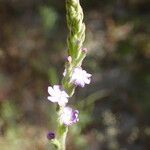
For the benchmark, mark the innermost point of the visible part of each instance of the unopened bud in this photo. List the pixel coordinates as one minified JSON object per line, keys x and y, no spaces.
{"x":78,"y":42}
{"x":69,"y":59}
{"x":51,"y":135}
{"x":84,"y":50}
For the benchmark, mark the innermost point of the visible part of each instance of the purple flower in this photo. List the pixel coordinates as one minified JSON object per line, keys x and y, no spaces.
{"x":69,"y":116}
{"x":57,"y":95}
{"x":50,"y":135}
{"x":80,"y":77}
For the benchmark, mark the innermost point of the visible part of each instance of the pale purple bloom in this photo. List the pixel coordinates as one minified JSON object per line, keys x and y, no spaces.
{"x":57,"y":95}
{"x":80,"y":77}
{"x":69,"y":116}
{"x":50,"y":135}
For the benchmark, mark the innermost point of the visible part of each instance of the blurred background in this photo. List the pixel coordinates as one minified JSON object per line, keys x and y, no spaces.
{"x":114,"y":108}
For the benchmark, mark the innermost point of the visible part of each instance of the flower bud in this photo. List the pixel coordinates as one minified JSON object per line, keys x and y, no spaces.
{"x":84,"y":50}
{"x":69,"y":59}
{"x":51,"y":135}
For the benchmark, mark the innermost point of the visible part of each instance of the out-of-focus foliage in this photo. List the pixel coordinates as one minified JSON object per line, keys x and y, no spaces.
{"x":49,"y":17}
{"x":114,"y":109}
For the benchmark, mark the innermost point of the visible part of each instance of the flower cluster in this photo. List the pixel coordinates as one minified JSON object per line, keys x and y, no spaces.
{"x":58,"y":95}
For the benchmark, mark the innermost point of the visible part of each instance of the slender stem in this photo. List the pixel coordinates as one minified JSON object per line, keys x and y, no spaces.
{"x":63,"y":140}
{"x":61,"y":131}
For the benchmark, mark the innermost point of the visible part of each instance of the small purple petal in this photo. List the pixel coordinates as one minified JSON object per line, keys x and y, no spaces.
{"x":75,"y":114}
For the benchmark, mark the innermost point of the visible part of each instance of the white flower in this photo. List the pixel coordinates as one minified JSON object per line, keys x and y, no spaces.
{"x":69,"y":116}
{"x":80,"y":77}
{"x":57,"y":95}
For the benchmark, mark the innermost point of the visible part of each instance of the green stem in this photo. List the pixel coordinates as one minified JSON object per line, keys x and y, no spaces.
{"x":63,"y":139}
{"x":62,"y":130}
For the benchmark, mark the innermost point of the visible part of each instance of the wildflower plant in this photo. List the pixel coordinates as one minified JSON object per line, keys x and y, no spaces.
{"x":73,"y":75}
